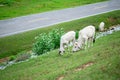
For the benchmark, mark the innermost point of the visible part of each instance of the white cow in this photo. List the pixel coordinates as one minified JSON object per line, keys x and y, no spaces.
{"x":101,"y":26}
{"x":86,"y":38}
{"x":66,"y":39}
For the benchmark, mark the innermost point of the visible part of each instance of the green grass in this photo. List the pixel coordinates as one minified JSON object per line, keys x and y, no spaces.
{"x":14,"y":8}
{"x":14,"y":44}
{"x":105,"y":55}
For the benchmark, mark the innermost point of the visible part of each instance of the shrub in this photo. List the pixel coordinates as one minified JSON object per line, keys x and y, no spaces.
{"x":55,"y":35}
{"x":11,"y":58}
{"x":46,"y":42}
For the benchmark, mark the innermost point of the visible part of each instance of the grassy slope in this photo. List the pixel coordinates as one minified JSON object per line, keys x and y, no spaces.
{"x":24,"y":7}
{"x":13,"y":44}
{"x":50,"y":66}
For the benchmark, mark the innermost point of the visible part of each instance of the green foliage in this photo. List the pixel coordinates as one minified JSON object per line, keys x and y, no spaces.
{"x":11,"y":58}
{"x":46,"y":42}
{"x":7,"y":2}
{"x":42,"y":44}
{"x":55,"y":35}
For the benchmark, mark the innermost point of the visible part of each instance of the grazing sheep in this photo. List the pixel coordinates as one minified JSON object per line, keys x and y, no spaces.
{"x":86,"y":36}
{"x":101,"y":27}
{"x":65,"y":40}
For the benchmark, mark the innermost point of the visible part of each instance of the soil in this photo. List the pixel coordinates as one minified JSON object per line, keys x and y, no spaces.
{"x":60,"y":78}
{"x":84,"y":66}
{"x":4,"y":59}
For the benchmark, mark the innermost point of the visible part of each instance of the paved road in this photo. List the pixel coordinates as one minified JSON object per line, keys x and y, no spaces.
{"x":30,"y":22}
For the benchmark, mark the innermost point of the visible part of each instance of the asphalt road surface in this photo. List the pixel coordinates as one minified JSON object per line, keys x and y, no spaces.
{"x":30,"y":22}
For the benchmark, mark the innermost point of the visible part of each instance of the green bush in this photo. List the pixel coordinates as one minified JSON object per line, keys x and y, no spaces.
{"x":11,"y":58}
{"x":46,"y":42}
{"x":43,"y":44}
{"x":55,"y":35}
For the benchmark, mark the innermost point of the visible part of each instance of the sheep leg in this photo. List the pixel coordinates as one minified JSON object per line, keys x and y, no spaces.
{"x":73,"y":41}
{"x":86,"y":41}
{"x":92,"y":41}
{"x":61,"y":49}
{"x":68,"y":47}
{"x":89,"y":40}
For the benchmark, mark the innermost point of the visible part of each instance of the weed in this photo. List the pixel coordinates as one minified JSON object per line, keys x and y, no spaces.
{"x":22,"y":56}
{"x":46,"y":42}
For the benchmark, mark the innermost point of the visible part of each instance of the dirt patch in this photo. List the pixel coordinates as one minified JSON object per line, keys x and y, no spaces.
{"x":84,"y":66}
{"x":60,"y":78}
{"x":78,"y":69}
{"x":4,"y":59}
{"x":112,"y":19}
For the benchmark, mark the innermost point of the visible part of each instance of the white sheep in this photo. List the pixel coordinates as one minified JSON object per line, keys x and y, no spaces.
{"x":101,"y":26}
{"x":66,"y":39}
{"x":86,"y":38}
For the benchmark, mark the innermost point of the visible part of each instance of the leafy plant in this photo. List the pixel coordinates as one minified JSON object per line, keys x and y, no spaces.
{"x":55,"y":35}
{"x":46,"y":42}
{"x":11,"y":58}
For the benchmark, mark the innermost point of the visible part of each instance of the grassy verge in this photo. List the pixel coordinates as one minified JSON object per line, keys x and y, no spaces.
{"x":51,"y":66}
{"x":14,"y":8}
{"x":14,"y":44}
